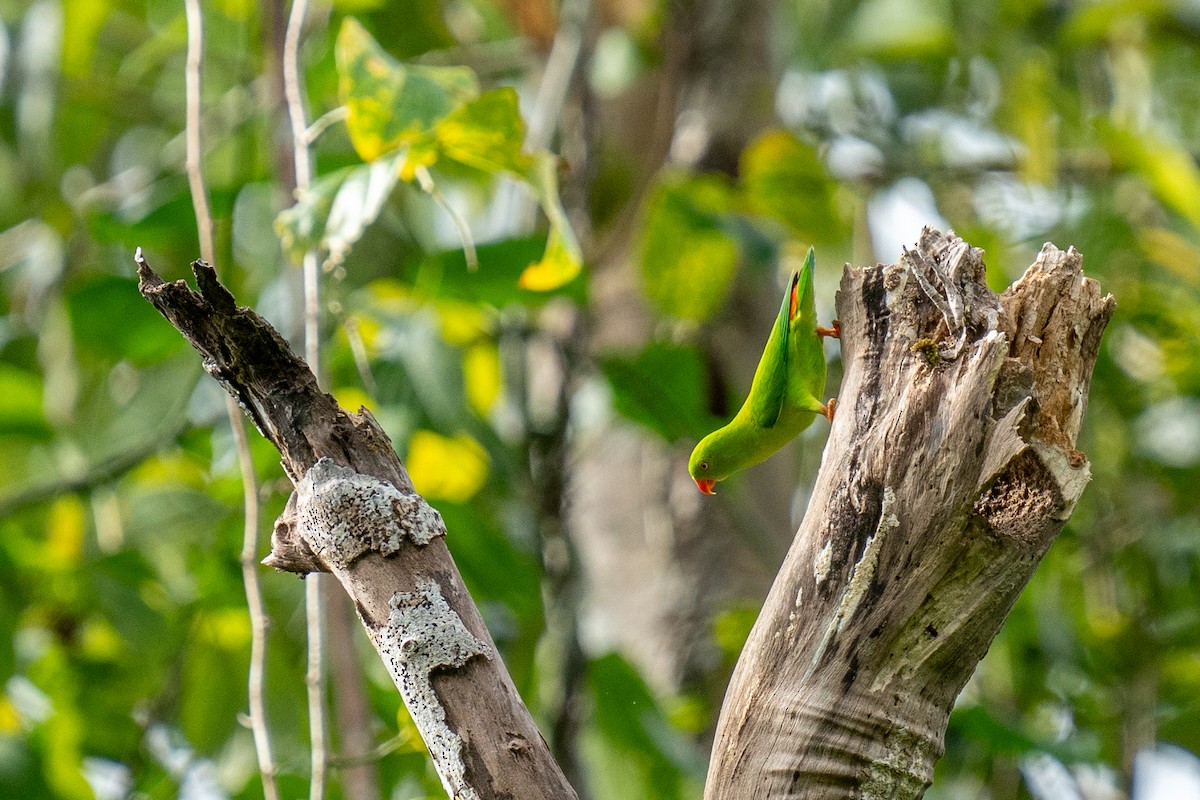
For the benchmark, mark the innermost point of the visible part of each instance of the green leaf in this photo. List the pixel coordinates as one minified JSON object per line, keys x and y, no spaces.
{"x":664,"y":388}
{"x":217,"y":645}
{"x":21,"y":411}
{"x":1168,"y":168}
{"x":336,"y":210}
{"x":301,"y":227}
{"x":21,"y":771}
{"x":783,"y":179}
{"x":633,"y":724}
{"x":978,"y":724}
{"x":688,"y":258}
{"x":390,"y":104}
{"x":487,"y":133}
{"x":111,"y":320}
{"x":444,"y":275}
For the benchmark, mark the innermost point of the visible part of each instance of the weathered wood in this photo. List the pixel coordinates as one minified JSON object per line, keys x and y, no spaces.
{"x":356,"y":515}
{"x":949,"y":470}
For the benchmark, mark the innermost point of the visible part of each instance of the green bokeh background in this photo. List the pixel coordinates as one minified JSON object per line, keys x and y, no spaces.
{"x":698,"y":139}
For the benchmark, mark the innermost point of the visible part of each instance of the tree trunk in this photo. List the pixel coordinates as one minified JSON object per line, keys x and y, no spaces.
{"x":950,"y":468}
{"x":354,"y":513}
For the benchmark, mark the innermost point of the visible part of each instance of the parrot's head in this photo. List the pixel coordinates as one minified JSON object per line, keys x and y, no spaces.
{"x":704,"y":467}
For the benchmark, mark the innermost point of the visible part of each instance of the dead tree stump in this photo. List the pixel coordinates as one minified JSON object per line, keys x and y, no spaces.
{"x":950,"y":468}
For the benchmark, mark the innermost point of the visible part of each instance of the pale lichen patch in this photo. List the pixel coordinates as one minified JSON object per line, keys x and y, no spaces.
{"x":864,"y":571}
{"x":861,"y":576}
{"x":823,"y":562}
{"x":342,"y":514}
{"x":424,"y":634}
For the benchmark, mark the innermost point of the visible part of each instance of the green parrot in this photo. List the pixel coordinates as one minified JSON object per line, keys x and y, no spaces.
{"x":785,"y":395}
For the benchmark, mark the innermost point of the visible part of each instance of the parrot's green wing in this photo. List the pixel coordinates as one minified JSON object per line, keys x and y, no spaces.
{"x":769,"y":388}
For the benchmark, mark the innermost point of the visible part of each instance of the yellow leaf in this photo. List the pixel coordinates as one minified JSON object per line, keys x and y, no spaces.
{"x":420,"y":154}
{"x":99,"y":640}
{"x":559,"y":266}
{"x":487,"y":133}
{"x":446,"y":468}
{"x":227,"y":629}
{"x":352,"y":397}
{"x":462,"y":323}
{"x":170,"y":469}
{"x":481,"y":375}
{"x":10,"y":720}
{"x":65,"y":532}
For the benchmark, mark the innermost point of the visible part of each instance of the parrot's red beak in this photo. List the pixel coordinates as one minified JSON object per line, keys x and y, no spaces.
{"x":706,"y":485}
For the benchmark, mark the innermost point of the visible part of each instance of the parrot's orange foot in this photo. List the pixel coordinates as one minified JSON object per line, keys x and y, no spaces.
{"x":835,"y":331}
{"x":829,"y":407}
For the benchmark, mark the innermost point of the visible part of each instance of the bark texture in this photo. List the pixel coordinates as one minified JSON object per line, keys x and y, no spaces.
{"x":949,"y":470}
{"x":355,"y":514}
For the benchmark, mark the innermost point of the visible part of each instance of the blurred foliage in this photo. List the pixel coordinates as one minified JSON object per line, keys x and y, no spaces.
{"x":123,"y":635}
{"x":402,"y":120}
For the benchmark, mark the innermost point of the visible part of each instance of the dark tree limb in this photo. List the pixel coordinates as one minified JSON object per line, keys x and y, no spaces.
{"x":355,"y":514}
{"x":950,"y":469}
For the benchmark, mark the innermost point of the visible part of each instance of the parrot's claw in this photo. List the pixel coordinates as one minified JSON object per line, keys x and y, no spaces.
{"x":835,"y":331}
{"x":829,"y":407}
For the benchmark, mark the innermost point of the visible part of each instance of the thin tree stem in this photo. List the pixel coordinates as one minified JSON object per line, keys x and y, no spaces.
{"x":204,"y":227}
{"x":302,"y":161}
{"x":425,"y":181}
{"x":193,"y":133}
{"x":314,"y":678}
